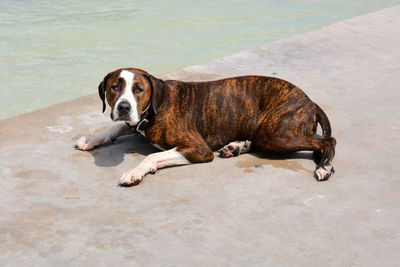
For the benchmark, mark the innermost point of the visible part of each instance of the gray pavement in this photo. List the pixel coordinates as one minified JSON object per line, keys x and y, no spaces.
{"x":61,"y":207}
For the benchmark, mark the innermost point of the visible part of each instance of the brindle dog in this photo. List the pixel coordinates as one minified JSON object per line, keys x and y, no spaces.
{"x":190,"y":120}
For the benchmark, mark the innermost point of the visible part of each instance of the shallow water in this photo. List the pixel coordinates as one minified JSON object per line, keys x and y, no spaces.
{"x":53,"y":51}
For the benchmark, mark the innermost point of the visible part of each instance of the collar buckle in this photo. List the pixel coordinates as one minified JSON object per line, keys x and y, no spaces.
{"x":142,"y":125}
{"x":138,"y":128}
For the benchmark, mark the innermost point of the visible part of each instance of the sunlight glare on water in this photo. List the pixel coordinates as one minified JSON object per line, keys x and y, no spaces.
{"x":53,"y":51}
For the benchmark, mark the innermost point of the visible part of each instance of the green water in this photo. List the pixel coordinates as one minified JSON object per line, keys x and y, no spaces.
{"x":53,"y":51}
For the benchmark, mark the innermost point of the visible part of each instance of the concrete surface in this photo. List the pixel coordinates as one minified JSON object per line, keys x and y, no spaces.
{"x":62,"y":207}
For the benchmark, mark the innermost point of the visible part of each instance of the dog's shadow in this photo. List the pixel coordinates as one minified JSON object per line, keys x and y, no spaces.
{"x":295,"y":155}
{"x":113,"y":153}
{"x":315,"y":157}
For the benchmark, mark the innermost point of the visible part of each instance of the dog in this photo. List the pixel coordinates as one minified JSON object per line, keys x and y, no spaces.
{"x":190,"y":120}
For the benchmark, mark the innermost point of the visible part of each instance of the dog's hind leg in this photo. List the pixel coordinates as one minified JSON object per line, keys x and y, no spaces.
{"x":234,"y":149}
{"x":324,"y":168}
{"x":324,"y":147}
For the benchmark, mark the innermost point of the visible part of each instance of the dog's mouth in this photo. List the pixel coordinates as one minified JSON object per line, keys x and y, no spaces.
{"x":125,"y":119}
{"x":130,"y":123}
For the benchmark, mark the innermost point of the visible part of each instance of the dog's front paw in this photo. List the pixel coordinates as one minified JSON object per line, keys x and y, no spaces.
{"x":229,"y":151}
{"x":323,"y":173}
{"x":132,"y":177}
{"x":87,"y":142}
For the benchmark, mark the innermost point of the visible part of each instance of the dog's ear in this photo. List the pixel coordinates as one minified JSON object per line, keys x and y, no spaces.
{"x":102,"y":90}
{"x":156,"y":91}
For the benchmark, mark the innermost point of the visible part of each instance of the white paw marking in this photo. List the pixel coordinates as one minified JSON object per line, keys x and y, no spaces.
{"x":87,"y":142}
{"x":234,"y":149}
{"x":134,"y":176}
{"x":323,"y":173}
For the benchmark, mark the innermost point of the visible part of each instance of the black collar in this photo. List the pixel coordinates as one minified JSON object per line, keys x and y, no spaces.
{"x":138,"y":128}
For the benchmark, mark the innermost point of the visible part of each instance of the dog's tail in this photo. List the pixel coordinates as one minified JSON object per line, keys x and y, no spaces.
{"x":323,"y":120}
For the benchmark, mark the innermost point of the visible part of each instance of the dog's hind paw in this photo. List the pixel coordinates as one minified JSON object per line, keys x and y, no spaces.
{"x":234,"y":149}
{"x":323,"y":173}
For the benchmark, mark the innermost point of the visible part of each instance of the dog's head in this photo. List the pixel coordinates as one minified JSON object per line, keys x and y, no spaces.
{"x":130,"y":93}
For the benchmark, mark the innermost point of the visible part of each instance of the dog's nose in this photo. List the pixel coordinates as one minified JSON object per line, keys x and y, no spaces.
{"x":124,"y":108}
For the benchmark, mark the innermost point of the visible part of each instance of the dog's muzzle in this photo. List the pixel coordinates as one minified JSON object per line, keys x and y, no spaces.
{"x":124,"y":108}
{"x":123,"y":111}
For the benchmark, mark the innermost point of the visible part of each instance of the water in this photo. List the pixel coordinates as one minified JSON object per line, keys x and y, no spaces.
{"x":52,"y":51}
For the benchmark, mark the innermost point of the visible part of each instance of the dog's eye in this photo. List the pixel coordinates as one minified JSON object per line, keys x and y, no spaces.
{"x":115,"y":88}
{"x":138,"y":90}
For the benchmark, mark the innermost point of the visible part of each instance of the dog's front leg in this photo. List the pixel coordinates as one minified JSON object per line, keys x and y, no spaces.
{"x":112,"y":133}
{"x":151,"y":163}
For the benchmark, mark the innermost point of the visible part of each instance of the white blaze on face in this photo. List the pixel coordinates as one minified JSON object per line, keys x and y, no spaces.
{"x":127,"y":96}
